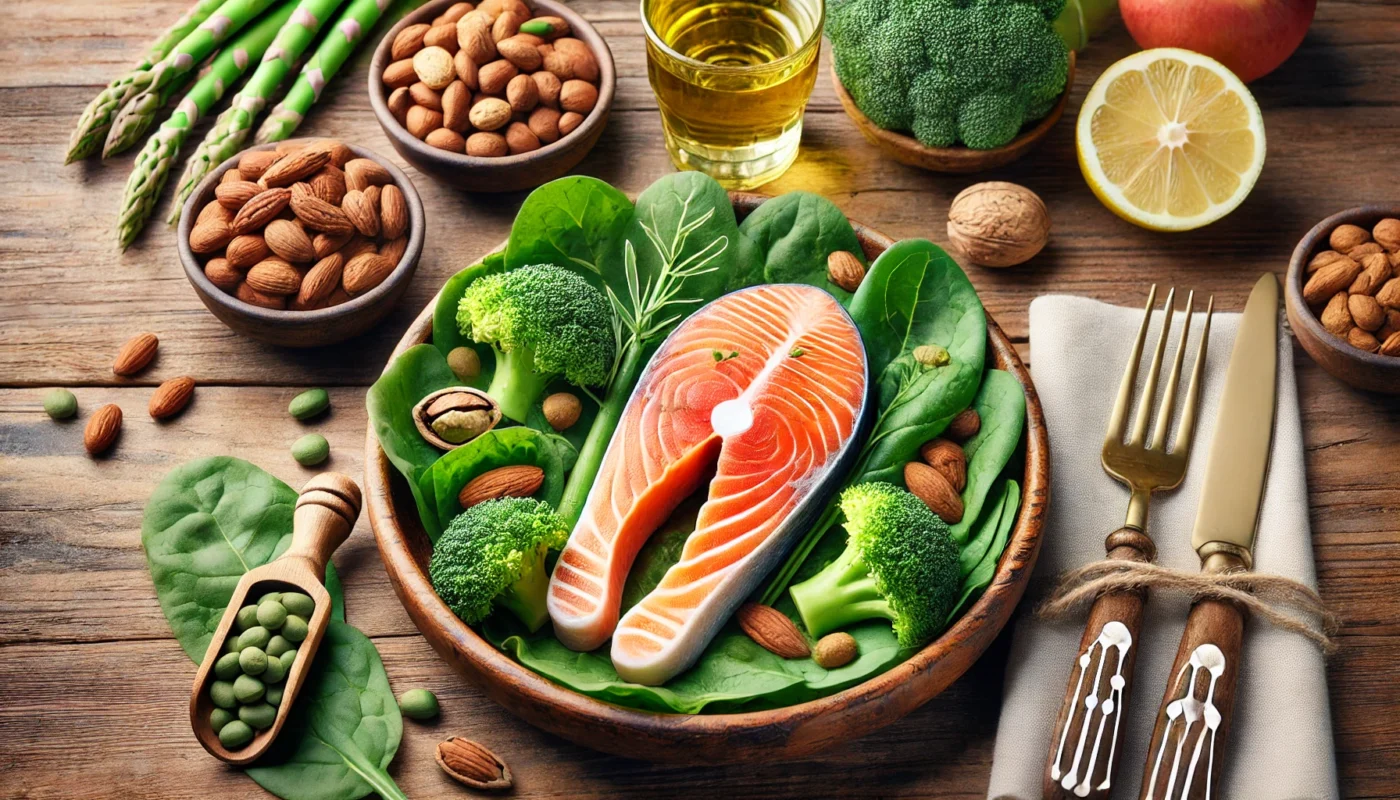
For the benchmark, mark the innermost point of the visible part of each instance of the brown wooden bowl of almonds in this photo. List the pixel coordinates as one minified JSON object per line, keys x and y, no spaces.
{"x":303,"y":243}
{"x":496,"y":97}
{"x":1343,"y":296}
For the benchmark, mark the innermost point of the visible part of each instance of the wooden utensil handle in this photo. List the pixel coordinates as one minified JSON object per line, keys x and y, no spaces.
{"x":1186,"y":755}
{"x":1085,"y":744}
{"x":325,"y":514}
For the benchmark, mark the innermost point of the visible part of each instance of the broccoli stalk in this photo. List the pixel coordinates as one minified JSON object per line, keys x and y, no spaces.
{"x":543,"y":322}
{"x":900,"y":564}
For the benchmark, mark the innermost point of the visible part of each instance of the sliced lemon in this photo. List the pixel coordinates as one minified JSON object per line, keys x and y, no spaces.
{"x":1170,"y":139}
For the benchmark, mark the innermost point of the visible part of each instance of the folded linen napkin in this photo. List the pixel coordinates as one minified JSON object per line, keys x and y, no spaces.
{"x":1280,"y":745}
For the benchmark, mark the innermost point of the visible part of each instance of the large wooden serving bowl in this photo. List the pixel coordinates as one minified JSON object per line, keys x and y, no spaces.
{"x":712,"y":738}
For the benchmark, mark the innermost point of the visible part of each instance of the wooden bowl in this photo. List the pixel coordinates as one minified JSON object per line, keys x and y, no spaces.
{"x":1358,"y":368}
{"x":506,"y":173}
{"x":302,"y":328}
{"x":712,"y":738}
{"x":959,"y":160}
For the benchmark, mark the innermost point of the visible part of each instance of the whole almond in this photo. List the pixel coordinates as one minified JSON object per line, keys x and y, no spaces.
{"x":520,"y":480}
{"x":292,"y":168}
{"x":835,"y":650}
{"x":1366,"y":312}
{"x":425,"y":96}
{"x":1345,"y":237}
{"x":362,"y":172}
{"x":446,"y":139}
{"x":1363,"y":340}
{"x":288,"y":147}
{"x":1389,"y":294}
{"x":466,"y":69}
{"x":556,"y":63}
{"x":506,"y":26}
{"x":214,"y":210}
{"x":329,"y":184}
{"x":102,"y":429}
{"x":1391,"y":346}
{"x":274,"y":276}
{"x":399,"y":102}
{"x":400,"y":73}
{"x":845,"y":270}
{"x":222,"y":275}
{"x":492,"y":113}
{"x":964,"y":426}
{"x":487,"y":145}
{"x":1364,"y":249}
{"x":361,"y":214}
{"x":253,"y":163}
{"x":578,"y":96}
{"x":495,"y":76}
{"x":234,"y":194}
{"x":326,"y":243}
{"x":473,"y":765}
{"x":433,"y":66}
{"x":772,"y":630}
{"x":1329,"y":280}
{"x":288,"y":240}
{"x":568,"y":122}
{"x":171,"y":397}
{"x":929,"y":485}
{"x":443,"y":35}
{"x":1336,"y":316}
{"x":549,"y":85}
{"x":357,"y":245}
{"x":1323,"y":259}
{"x":948,"y":458}
{"x":523,"y":94}
{"x":393,"y":212}
{"x":320,"y":215}
{"x":245,"y":251}
{"x":1387,"y":234}
{"x":394,"y":249}
{"x":1375,"y":271}
{"x":210,"y":236}
{"x":456,"y":103}
{"x":321,"y":280}
{"x":232,"y":175}
{"x":544,"y":123}
{"x":366,"y":271}
{"x":408,"y":41}
{"x":453,"y":13}
{"x":520,"y":52}
{"x":520,"y":139}
{"x":474,"y":37}
{"x":135,"y":354}
{"x":256,"y":213}
{"x":582,"y":64}
{"x":254,"y":297}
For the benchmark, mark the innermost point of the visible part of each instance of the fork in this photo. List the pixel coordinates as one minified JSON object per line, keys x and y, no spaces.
{"x":1085,"y":746}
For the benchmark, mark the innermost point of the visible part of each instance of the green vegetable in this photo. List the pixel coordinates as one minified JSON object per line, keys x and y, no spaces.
{"x":297,"y":603}
{"x":60,"y":404}
{"x":447,"y":337}
{"x":273,"y":696}
{"x":788,"y":239}
{"x":1001,"y":404}
{"x":542,"y":322}
{"x":271,"y":614}
{"x":208,"y":522}
{"x":493,"y":554}
{"x":418,"y":704}
{"x":270,"y":597}
{"x":343,"y":731}
{"x":227,"y":667}
{"x":575,"y":222}
{"x":235,"y":734}
{"x":221,"y":692}
{"x":499,"y":447}
{"x":309,"y":403}
{"x":278,"y":645}
{"x":311,"y":449}
{"x":950,"y":71}
{"x":288,"y":658}
{"x":990,"y":540}
{"x":247,"y":617}
{"x":258,"y":716}
{"x":252,"y":660}
{"x":900,"y":564}
{"x":231,"y":645}
{"x":256,"y":636}
{"x":274,"y":672}
{"x":220,"y":717}
{"x":1083,"y":19}
{"x":294,"y":629}
{"x":247,"y":689}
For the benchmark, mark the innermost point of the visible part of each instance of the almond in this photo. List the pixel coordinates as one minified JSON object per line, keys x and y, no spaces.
{"x":467,"y":71}
{"x":964,"y":426}
{"x":274,"y":276}
{"x":520,"y":480}
{"x":472,"y":764}
{"x":1345,"y":237}
{"x":1323,"y":259}
{"x":772,"y":630}
{"x":456,"y":102}
{"x":835,"y":650}
{"x":245,"y":251}
{"x":321,"y":216}
{"x":326,"y":243}
{"x":948,"y":458}
{"x":1364,"y":249}
{"x":102,"y":429}
{"x":845,"y":270}
{"x":361,"y":213}
{"x":210,"y":236}
{"x":422,"y":121}
{"x":474,"y":37}
{"x":1336,"y":316}
{"x":568,"y":122}
{"x":1391,"y":347}
{"x":494,"y":76}
{"x":443,"y":35}
{"x":453,"y":13}
{"x":355,"y":246}
{"x":288,"y":147}
{"x":253,"y":163}
{"x":321,"y":280}
{"x":1389,"y":293}
{"x":1387,"y":234}
{"x":234,"y":194}
{"x":135,"y":354}
{"x":362,"y":172}
{"x":544,"y":123}
{"x":486,"y":145}
{"x":1329,"y":280}
{"x":366,"y":271}
{"x":446,"y":139}
{"x":578,"y":96}
{"x":394,"y":249}
{"x":520,"y":139}
{"x":550,"y":86}
{"x":492,"y":113}
{"x":408,"y":41}
{"x":1366,"y":312}
{"x":1363,"y":340}
{"x":214,"y":210}
{"x":929,"y":485}
{"x":523,"y":94}
{"x":582,"y":64}
{"x":393,"y":212}
{"x":329,"y":184}
{"x":288,"y":240}
{"x":256,"y":213}
{"x":425,"y":96}
{"x":171,"y":397}
{"x":399,"y":103}
{"x":400,"y":74}
{"x":1375,"y":271}
{"x":254,"y":297}
{"x":222,"y":275}
{"x":506,"y":26}
{"x":520,"y":52}
{"x":433,"y":66}
{"x":292,"y":168}
{"x":232,"y":175}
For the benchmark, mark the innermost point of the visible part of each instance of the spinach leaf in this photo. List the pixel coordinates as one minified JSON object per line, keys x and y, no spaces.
{"x":574,"y":222}
{"x":984,"y":532}
{"x":500,"y":447}
{"x":208,"y":522}
{"x":343,"y":731}
{"x":789,"y":238}
{"x":1001,"y":403}
{"x":446,"y":335}
{"x":1000,"y":527}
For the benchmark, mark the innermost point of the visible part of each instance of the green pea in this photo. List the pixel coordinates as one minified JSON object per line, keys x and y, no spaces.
{"x":227,"y":668}
{"x":247,"y":689}
{"x":274,"y":673}
{"x":294,"y":629}
{"x":258,"y":715}
{"x":220,"y":717}
{"x":278,"y":645}
{"x":311,"y":450}
{"x":235,"y":734}
{"x":309,"y":403}
{"x":275,"y":597}
{"x":60,"y":404}
{"x":256,"y":636}
{"x":247,"y":617}
{"x":271,"y":614}
{"x":288,"y":658}
{"x":300,"y":604}
{"x":221,"y":692}
{"x":274,"y":696}
{"x":418,"y":704}
{"x":253,"y":661}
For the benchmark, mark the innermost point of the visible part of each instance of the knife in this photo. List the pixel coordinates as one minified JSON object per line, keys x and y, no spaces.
{"x":1186,"y":755}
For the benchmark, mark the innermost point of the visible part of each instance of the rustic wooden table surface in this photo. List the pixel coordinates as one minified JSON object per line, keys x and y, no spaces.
{"x":93,"y":685}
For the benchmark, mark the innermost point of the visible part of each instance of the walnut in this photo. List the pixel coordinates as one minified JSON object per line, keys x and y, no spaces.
{"x":998,"y":224}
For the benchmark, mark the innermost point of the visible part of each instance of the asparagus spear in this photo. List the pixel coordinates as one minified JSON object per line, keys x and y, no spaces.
{"x":139,"y":111}
{"x":152,"y":166}
{"x":92,"y":126}
{"x":341,"y":40}
{"x":231,"y":130}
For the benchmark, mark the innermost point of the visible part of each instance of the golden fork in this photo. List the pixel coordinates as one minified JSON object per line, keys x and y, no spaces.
{"x":1084,"y":747}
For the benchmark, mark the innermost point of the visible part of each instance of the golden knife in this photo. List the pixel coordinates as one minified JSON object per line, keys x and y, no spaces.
{"x":1186,"y":754}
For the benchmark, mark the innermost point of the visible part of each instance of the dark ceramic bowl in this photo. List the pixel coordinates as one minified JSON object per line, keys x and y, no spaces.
{"x":506,"y":173}
{"x":302,"y":328}
{"x":1358,"y":368}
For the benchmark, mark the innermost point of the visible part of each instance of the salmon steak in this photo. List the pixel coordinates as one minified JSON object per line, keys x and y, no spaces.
{"x":765,"y":389}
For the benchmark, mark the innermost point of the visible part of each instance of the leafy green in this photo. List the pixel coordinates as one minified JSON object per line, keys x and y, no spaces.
{"x":447,"y":336}
{"x":208,"y":522}
{"x":343,"y":731}
{"x":1001,"y":404}
{"x":999,"y":527}
{"x":499,"y":447}
{"x":790,"y":237}
{"x":417,"y":373}
{"x":574,"y":222}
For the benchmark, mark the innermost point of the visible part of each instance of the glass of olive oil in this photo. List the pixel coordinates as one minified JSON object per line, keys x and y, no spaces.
{"x":732,"y":78}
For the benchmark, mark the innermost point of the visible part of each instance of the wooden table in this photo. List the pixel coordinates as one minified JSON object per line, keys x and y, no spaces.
{"x":94,"y":687}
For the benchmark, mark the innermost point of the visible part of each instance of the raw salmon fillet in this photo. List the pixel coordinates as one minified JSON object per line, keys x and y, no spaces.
{"x":776,"y":425}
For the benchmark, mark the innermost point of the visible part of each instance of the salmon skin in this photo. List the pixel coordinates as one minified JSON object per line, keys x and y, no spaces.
{"x":767,"y":389}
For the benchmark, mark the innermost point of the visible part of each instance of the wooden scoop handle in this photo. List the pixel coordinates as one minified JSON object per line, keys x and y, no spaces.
{"x":325,"y":514}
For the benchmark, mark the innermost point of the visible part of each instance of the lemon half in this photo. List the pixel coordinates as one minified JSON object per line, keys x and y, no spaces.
{"x":1170,"y":139}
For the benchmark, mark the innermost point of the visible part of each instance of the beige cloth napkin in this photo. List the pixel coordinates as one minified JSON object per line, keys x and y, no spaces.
{"x":1281,"y":744}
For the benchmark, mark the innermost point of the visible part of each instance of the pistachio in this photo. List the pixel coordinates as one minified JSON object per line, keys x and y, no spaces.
{"x":930,"y":356}
{"x":454,"y":416}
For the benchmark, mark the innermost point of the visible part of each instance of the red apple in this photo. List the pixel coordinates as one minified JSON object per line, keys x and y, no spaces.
{"x":1251,"y":37}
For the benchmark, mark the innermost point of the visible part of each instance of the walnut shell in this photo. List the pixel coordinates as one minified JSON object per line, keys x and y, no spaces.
{"x":998,"y":224}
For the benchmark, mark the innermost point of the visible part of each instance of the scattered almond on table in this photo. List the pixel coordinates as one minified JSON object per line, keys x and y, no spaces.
{"x":1354,"y":287}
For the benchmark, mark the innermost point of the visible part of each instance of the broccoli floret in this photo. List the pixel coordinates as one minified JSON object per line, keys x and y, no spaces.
{"x":950,"y":71}
{"x":493,"y":555}
{"x":543,"y":322}
{"x":900,"y":564}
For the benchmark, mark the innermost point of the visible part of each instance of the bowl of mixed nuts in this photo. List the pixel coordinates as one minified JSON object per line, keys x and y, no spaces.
{"x":1343,"y":296}
{"x":498,"y":96}
{"x":304,"y":243}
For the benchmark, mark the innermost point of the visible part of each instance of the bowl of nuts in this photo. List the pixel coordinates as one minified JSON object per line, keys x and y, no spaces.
{"x":1343,"y":296}
{"x":497,"y":97}
{"x":303,"y":243}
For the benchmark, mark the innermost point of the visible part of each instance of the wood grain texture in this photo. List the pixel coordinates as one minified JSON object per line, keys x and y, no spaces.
{"x":76,"y":598}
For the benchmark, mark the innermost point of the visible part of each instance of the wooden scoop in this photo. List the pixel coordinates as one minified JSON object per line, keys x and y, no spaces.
{"x":325,"y":514}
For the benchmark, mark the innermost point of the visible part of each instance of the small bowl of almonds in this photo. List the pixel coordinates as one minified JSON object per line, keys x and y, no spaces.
{"x":498,"y":96}
{"x":303,"y":243}
{"x":1343,"y":296}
